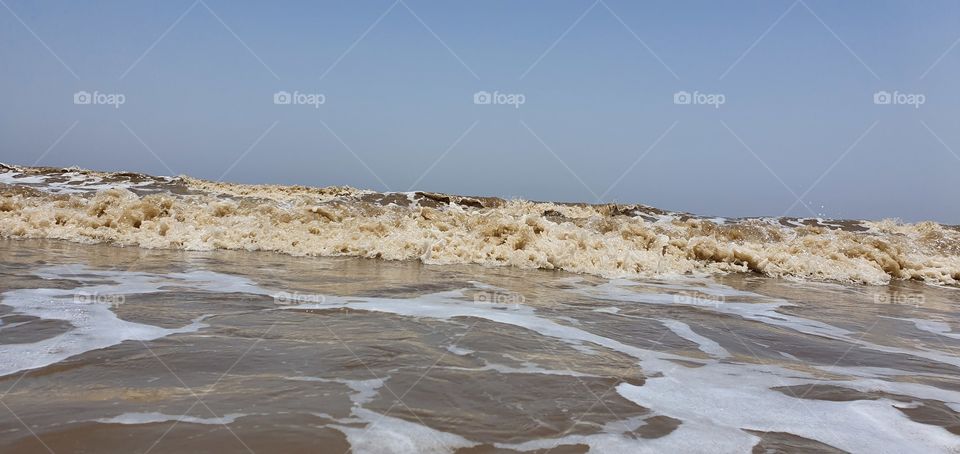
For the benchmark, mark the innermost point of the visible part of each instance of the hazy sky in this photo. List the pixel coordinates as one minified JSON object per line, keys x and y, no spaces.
{"x":597,"y":81}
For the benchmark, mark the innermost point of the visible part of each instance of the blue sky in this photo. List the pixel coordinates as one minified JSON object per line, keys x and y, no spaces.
{"x":599,"y":120}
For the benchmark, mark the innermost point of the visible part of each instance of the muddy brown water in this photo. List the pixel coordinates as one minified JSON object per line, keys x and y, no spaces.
{"x":108,"y":349}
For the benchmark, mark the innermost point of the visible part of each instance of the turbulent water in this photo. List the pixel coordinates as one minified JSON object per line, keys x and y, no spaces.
{"x":131,"y":350}
{"x":672,"y":333}
{"x":604,"y":240}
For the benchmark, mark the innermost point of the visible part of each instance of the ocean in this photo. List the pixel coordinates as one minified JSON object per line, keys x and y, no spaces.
{"x":171,"y":314}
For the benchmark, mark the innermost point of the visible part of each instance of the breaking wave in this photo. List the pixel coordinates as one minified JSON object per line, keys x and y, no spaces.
{"x":612,"y":241}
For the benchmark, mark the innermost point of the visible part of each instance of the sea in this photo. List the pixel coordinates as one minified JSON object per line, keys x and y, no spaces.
{"x":159,"y":314}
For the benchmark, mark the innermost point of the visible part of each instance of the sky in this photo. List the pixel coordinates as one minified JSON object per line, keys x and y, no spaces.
{"x":724,"y":108}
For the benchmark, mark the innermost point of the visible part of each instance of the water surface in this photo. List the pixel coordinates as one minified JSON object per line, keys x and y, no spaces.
{"x":105,"y":348}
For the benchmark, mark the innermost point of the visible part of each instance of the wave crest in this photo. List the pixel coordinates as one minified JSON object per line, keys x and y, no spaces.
{"x":605,"y":240}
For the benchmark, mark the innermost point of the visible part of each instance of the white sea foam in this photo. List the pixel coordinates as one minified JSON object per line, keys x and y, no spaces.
{"x":458,"y":350}
{"x":932,"y":326}
{"x":18,"y":178}
{"x":716,"y":400}
{"x":154,"y":417}
{"x":705,"y":345}
{"x":77,"y":183}
{"x":606,"y":240}
{"x":363,"y":390}
{"x":388,"y":435}
{"x":384,"y":433}
{"x":763,"y":312}
{"x":608,"y":310}
{"x":615,"y":440}
{"x":526,"y":367}
{"x":93,"y":325}
{"x":740,"y":397}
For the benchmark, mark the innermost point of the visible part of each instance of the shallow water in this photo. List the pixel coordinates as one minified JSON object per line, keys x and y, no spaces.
{"x":124,"y":349}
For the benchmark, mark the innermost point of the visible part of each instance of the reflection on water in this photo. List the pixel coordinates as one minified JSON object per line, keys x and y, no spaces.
{"x":121,"y":349}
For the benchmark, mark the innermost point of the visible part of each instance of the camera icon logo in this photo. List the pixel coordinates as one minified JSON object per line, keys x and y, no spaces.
{"x":82,"y":97}
{"x":482,"y":97}
{"x":82,"y":298}
{"x":282,"y":97}
{"x":882,"y":97}
{"x":682,"y":97}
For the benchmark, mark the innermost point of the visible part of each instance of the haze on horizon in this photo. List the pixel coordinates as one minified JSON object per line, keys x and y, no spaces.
{"x":727,"y":109}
